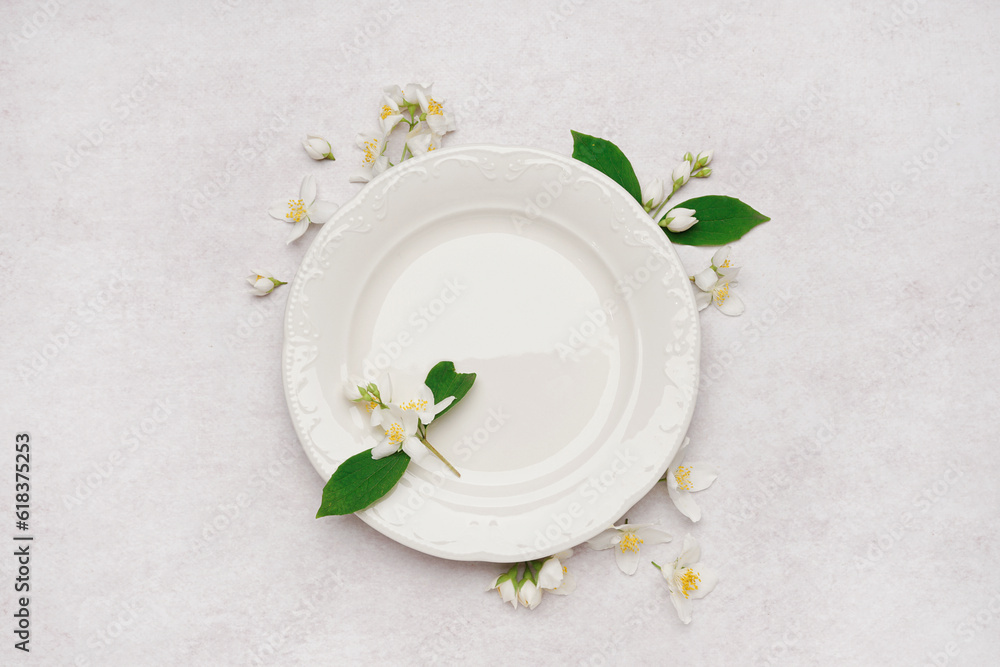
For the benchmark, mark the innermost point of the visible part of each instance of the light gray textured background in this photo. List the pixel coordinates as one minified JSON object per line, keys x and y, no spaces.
{"x":172,"y":506}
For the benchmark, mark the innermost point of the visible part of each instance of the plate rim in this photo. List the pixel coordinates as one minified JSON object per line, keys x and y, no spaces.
{"x":498,"y":149}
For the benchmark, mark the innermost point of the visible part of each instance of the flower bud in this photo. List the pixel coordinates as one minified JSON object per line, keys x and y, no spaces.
{"x":317,"y":147}
{"x":263,"y":284}
{"x":679,"y":219}
{"x":681,"y":174}
{"x":688,"y":157}
{"x":702,"y":173}
{"x":530,"y":595}
{"x":505,"y":587}
{"x":352,"y":390}
{"x":703,"y":159}
{"x":652,"y":194}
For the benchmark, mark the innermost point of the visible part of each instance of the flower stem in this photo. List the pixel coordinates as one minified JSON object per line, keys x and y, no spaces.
{"x":663,"y":203}
{"x":436,"y":453}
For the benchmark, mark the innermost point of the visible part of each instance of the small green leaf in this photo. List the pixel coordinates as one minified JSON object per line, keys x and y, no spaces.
{"x":721,"y":220}
{"x":445,"y":382}
{"x":607,"y":158}
{"x":360,"y":481}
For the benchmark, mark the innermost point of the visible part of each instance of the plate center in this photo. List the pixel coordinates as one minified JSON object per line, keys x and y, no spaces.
{"x":526,"y":314}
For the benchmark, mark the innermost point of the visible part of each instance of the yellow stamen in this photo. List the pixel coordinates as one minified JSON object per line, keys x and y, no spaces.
{"x":371,"y":406}
{"x":689,"y":582}
{"x":414,"y":405}
{"x":296,"y":210}
{"x":434,"y":107}
{"x":630,"y":543}
{"x":396,"y":434}
{"x":683,"y":477}
{"x":371,"y":151}
{"x":725,"y":264}
{"x":386,"y":111}
{"x":721,"y":294}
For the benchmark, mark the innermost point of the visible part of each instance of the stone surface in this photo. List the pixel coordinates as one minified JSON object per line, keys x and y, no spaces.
{"x":852,"y":409}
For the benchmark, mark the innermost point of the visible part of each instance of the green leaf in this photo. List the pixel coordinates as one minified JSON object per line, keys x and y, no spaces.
{"x":445,"y":382}
{"x":721,"y":220}
{"x":360,"y":481}
{"x":607,"y":158}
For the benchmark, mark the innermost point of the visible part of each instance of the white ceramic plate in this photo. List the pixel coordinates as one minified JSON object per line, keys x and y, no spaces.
{"x":545,"y":278}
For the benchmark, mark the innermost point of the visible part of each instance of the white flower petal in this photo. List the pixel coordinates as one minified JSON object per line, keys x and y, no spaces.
{"x":414,"y":448}
{"x":298,"y":229}
{"x":409,"y":421}
{"x":307,"y":193}
{"x":507,"y":592}
{"x":605,"y":540}
{"x":702,"y":299}
{"x":706,"y":280}
{"x":378,"y":416}
{"x":279,"y":210}
{"x":682,"y":605}
{"x":650,"y":535}
{"x":362,"y":176}
{"x":414,"y":91}
{"x":381,"y":164}
{"x":529,"y":595}
{"x":690,"y":553}
{"x":732,"y":306}
{"x":701,"y":475}
{"x":720,"y":256}
{"x":383,"y":449}
{"x":445,"y":402}
{"x":419,"y":139}
{"x":389,"y":123}
{"x":708,"y":580}
{"x":566,"y":586}
{"x":422,"y":96}
{"x":395,"y":93}
{"x":729,"y":273}
{"x":439,"y":124}
{"x":683,"y":501}
{"x":551,"y":574}
{"x":321,"y":211}
{"x":627,"y":559}
{"x":679,"y":456}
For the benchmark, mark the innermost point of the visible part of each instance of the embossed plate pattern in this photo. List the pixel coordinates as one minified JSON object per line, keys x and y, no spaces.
{"x":546,"y":279}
